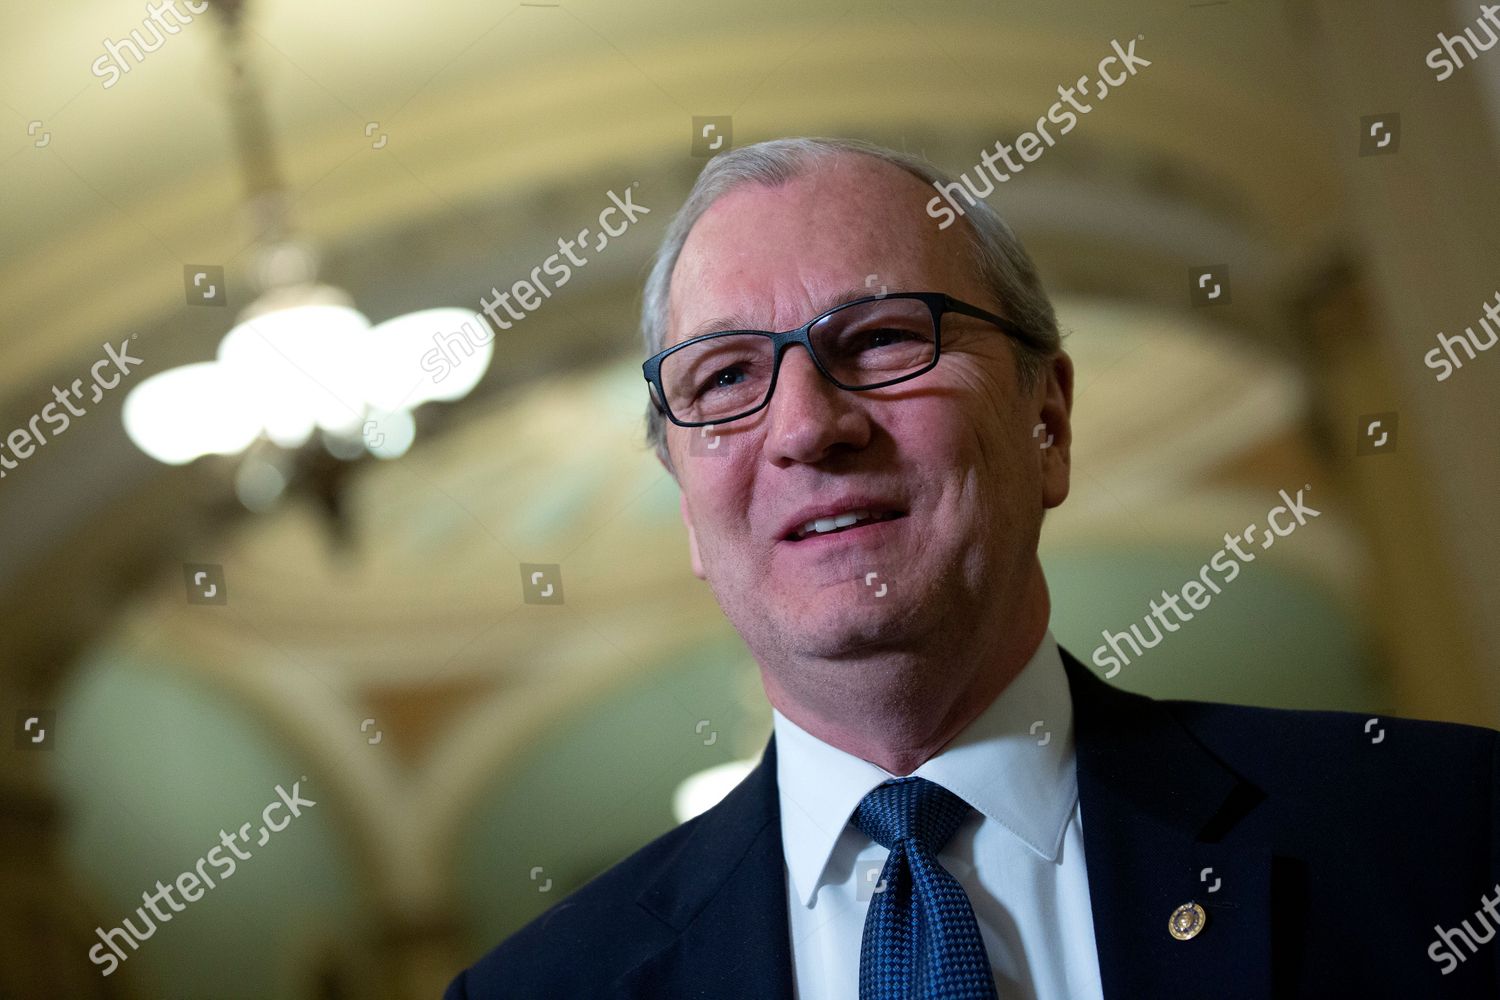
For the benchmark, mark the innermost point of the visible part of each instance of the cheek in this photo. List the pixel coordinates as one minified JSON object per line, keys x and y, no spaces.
{"x":720,"y":500}
{"x":984,"y":417}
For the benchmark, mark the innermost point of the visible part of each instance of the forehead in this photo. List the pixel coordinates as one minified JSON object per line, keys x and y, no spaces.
{"x":765,"y":256}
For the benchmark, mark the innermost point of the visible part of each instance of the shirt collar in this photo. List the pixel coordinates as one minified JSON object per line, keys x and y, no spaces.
{"x":1015,"y":772}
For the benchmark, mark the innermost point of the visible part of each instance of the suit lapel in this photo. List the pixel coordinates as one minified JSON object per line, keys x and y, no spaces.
{"x":724,"y":893}
{"x":1158,"y":809}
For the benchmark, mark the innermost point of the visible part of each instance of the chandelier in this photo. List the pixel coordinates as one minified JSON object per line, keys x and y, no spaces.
{"x":300,"y":360}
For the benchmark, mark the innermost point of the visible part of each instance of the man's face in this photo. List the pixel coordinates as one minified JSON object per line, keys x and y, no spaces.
{"x":952,"y":450}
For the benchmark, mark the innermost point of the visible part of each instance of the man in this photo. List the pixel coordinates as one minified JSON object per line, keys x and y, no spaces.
{"x":867,"y":515}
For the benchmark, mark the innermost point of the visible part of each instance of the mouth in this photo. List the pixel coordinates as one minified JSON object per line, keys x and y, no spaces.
{"x":852,"y":520}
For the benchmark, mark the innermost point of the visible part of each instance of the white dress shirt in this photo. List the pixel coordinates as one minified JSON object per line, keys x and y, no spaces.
{"x":1019,"y":855}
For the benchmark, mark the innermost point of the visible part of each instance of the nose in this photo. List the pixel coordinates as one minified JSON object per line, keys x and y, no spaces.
{"x":808,"y":416}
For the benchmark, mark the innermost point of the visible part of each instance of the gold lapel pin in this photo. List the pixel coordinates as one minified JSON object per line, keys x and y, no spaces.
{"x":1187,"y":921}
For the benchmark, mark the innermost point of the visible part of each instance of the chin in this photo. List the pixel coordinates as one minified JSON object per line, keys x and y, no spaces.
{"x":838,"y":631}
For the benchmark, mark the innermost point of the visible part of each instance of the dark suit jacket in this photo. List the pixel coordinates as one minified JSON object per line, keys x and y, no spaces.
{"x":1336,"y":857}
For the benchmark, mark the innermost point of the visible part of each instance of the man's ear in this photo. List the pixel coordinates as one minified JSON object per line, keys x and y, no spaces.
{"x":1056,"y":414}
{"x":687,"y":519}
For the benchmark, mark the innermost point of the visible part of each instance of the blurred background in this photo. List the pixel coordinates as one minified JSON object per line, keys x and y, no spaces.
{"x":206,"y":594}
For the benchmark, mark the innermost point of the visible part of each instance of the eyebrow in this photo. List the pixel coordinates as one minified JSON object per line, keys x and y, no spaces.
{"x":740,"y":321}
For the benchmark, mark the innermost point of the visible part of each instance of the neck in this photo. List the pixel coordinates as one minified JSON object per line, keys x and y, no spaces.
{"x":922,"y":699}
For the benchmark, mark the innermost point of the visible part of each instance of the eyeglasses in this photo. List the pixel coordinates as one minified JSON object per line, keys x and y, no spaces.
{"x":864,"y":344}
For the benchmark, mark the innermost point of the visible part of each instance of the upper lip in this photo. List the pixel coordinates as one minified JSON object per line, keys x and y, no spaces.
{"x":832,"y":508}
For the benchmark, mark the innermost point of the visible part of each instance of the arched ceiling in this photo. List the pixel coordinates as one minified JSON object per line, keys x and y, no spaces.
{"x":487,"y":108}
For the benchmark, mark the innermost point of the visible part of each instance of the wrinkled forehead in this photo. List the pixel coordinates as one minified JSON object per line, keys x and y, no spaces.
{"x":768,"y":258}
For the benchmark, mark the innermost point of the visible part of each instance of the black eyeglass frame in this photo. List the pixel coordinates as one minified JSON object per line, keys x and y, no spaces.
{"x":938,"y":303}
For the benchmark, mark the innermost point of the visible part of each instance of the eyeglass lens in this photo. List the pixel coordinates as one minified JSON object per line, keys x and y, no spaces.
{"x":861,"y":345}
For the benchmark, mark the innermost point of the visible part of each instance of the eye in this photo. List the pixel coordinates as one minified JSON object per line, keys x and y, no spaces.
{"x":881,"y":339}
{"x":716,"y":380}
{"x":886,"y":336}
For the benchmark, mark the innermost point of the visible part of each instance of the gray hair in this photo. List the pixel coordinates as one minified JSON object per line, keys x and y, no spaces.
{"x":1003,"y":266}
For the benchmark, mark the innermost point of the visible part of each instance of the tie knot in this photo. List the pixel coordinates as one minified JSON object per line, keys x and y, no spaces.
{"x":910,"y":808}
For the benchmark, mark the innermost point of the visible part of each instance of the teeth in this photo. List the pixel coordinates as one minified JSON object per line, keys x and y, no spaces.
{"x":825,"y":524}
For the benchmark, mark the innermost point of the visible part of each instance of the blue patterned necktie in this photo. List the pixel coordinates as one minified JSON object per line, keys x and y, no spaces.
{"x":920,"y":940}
